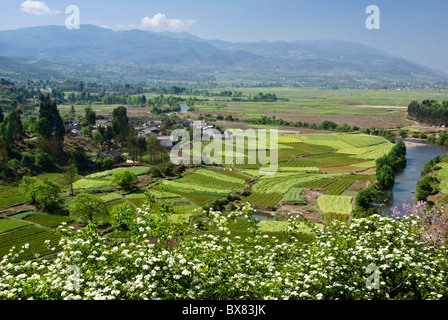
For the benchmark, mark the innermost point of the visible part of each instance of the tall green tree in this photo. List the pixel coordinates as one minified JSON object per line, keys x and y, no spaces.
{"x":86,"y":206}
{"x":14,"y":127}
{"x":90,"y":117}
{"x":120,"y":123}
{"x":50,"y":126}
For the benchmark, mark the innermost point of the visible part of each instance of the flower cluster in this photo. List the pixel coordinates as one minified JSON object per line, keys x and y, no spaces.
{"x":433,"y":223}
{"x":229,"y":267}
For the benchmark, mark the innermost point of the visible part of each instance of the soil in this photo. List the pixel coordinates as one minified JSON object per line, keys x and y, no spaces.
{"x":358,"y":185}
{"x":18,"y":208}
{"x":310,"y":211}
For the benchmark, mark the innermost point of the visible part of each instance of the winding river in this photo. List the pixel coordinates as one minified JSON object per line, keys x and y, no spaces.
{"x":417,"y":155}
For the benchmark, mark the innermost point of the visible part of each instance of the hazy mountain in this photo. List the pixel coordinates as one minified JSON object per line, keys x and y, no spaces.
{"x":98,"y":46}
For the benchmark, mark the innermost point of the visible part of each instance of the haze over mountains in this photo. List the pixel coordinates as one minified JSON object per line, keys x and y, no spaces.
{"x":47,"y":50}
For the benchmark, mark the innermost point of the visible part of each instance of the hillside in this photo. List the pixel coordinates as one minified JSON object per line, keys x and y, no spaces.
{"x":153,"y":56}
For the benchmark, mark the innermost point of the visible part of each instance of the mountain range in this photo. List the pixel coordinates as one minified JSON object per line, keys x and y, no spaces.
{"x":50,"y":50}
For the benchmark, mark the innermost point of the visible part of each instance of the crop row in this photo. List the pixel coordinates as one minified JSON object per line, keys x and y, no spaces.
{"x":334,"y":186}
{"x":9,"y":225}
{"x":299,"y":163}
{"x":294,"y":195}
{"x":267,"y":200}
{"x":47,"y":220}
{"x":34,"y":236}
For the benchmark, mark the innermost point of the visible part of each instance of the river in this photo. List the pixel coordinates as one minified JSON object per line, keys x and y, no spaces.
{"x":403,"y":191}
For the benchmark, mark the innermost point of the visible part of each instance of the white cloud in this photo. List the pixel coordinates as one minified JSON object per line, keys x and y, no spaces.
{"x":37,"y":8}
{"x":161,"y":23}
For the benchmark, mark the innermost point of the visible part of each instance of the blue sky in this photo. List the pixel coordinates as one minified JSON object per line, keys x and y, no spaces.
{"x":415,"y":30}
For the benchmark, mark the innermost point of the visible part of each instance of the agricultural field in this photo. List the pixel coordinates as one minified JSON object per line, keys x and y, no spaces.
{"x":47,"y":220}
{"x":335,"y":204}
{"x":33,"y":236}
{"x":294,"y":196}
{"x":266,"y":200}
{"x":365,"y":108}
{"x":327,"y":162}
{"x":7,"y":225}
{"x":334,"y":186}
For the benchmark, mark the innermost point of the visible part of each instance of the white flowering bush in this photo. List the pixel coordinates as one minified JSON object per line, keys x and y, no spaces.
{"x":224,"y":266}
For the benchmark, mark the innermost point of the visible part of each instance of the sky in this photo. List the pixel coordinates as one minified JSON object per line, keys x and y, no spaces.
{"x":416,"y":30}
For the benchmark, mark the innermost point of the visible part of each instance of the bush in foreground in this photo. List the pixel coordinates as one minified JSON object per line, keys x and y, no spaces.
{"x":372,"y":258}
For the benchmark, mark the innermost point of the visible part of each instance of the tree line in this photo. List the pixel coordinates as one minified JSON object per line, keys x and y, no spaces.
{"x":429,"y":111}
{"x":386,"y":168}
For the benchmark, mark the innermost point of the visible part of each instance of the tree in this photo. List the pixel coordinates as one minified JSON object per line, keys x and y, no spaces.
{"x":426,"y":187}
{"x":29,"y":187}
{"x":97,"y":137}
{"x":123,"y":217}
{"x":14,"y":127}
{"x":156,"y":150}
{"x":136,"y":147}
{"x":50,"y":126}
{"x":70,"y":175}
{"x":87,"y":206}
{"x":125,"y":179}
{"x":385,"y":177}
{"x":44,"y":160}
{"x":90,"y":117}
{"x":44,"y":193}
{"x":108,"y":163}
{"x":80,"y":158}
{"x":120,"y":124}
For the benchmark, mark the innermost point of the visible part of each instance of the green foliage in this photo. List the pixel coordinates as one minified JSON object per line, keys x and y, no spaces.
{"x":429,"y":185}
{"x":385,"y":177}
{"x":50,"y":123}
{"x":86,"y":206}
{"x":45,"y":160}
{"x":429,"y":111}
{"x":90,"y":117}
{"x":125,"y":179}
{"x":123,"y":218}
{"x":366,"y":196}
{"x":43,"y":192}
{"x":216,"y":265}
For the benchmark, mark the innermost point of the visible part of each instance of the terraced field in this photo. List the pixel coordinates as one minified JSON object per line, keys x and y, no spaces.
{"x":33,"y":236}
{"x":294,"y":196}
{"x":334,"y":186}
{"x":335,"y":204}
{"x":267,"y":200}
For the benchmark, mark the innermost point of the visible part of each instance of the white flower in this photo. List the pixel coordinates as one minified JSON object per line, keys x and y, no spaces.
{"x":185,"y":272}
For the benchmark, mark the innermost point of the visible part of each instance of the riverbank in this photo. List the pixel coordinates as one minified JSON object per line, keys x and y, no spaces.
{"x":414,"y":142}
{"x":418,"y":153}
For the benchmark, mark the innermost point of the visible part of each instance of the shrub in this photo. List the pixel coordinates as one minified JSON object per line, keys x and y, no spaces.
{"x":108,"y":163}
{"x":44,"y":160}
{"x":125,"y":179}
{"x":218,"y":266}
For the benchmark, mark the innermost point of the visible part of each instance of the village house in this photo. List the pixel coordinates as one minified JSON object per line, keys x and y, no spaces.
{"x":113,"y":154}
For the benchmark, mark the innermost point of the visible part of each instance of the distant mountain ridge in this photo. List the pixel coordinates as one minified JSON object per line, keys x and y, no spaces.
{"x":141,"y":49}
